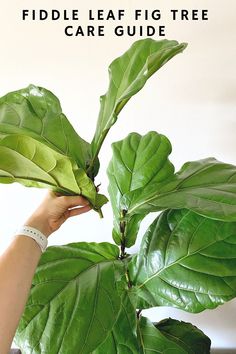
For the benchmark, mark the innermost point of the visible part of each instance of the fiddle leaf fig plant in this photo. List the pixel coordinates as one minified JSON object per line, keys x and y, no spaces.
{"x":185,"y":261}
{"x":128,"y":74}
{"x":138,"y":162}
{"x":87,"y":298}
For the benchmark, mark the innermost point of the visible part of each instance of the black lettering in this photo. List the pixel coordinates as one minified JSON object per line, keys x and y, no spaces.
{"x":25,"y":13}
{"x":66,"y":18}
{"x":195,"y":15}
{"x":174,"y":13}
{"x":184,"y":15}
{"x":100,"y":15}
{"x":162,"y":31}
{"x":75,"y":15}
{"x":150,"y":31}
{"x":55,"y":15}
{"x":67,"y":33}
{"x":205,"y":15}
{"x":110,"y":15}
{"x":79,"y":32}
{"x":131,"y":31}
{"x":121,"y":13}
{"x":43,"y":15}
{"x":90,"y":31}
{"x":101,"y":31}
{"x":137,"y":14}
{"x":91,"y":15}
{"x":156,"y":15}
{"x":119,"y":31}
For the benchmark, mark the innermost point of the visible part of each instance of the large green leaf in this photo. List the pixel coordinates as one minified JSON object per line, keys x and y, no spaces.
{"x":207,"y":187}
{"x":137,"y":162}
{"x":153,"y":341}
{"x":36,"y":112}
{"x":185,"y":261}
{"x":123,"y":337}
{"x":187,"y":336}
{"x":127,"y":75}
{"x":74,"y":301}
{"x":33,"y":164}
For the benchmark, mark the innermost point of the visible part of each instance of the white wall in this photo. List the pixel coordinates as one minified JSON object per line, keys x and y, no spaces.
{"x":191,"y":100}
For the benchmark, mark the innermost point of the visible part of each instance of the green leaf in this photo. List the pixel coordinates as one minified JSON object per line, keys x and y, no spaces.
{"x":36,"y":112}
{"x":127,"y":75}
{"x":153,"y":341}
{"x":74,"y":301}
{"x":138,"y":162}
{"x":187,"y":336}
{"x":123,"y":337}
{"x":33,"y":164}
{"x":207,"y":187}
{"x":185,"y":261}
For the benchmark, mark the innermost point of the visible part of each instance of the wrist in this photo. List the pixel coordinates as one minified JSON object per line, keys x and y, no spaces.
{"x":40,"y":223}
{"x":33,"y":233}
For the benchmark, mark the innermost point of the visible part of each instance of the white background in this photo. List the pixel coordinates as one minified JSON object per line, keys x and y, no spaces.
{"x":191,"y":100}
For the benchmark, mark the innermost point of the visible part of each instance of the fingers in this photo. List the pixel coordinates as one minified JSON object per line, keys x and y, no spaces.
{"x":78,"y":211}
{"x":73,"y":201}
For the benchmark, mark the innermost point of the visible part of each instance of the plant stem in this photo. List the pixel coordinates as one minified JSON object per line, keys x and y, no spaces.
{"x":138,"y":313}
{"x":128,"y":279}
{"x":122,"y":249}
{"x":100,"y":213}
{"x":122,"y":231}
{"x":89,"y":169}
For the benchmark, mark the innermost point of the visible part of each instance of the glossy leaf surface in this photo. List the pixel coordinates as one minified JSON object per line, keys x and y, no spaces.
{"x":33,"y":164}
{"x":123,"y":337}
{"x":207,"y":187}
{"x":185,"y":261}
{"x":153,"y":341}
{"x":127,"y":75}
{"x":137,"y":162}
{"x":74,"y":301}
{"x":36,"y":112}
{"x":187,"y":336}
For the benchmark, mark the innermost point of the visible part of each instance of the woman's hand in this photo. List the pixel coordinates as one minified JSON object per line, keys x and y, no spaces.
{"x":19,"y":261}
{"x":55,"y":210}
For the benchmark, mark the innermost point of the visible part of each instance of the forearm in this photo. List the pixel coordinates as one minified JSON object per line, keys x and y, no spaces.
{"x":17,"y":267}
{"x":19,"y":261}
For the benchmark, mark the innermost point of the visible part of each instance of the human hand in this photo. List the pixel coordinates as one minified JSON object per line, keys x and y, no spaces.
{"x":55,"y":210}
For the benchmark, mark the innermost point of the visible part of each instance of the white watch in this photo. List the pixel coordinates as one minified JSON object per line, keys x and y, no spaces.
{"x":38,"y":236}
